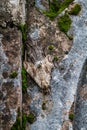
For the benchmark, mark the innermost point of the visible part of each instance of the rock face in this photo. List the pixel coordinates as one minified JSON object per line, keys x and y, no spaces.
{"x":80,"y":120}
{"x":40,"y":72}
{"x":65,"y":78}
{"x":51,"y":60}
{"x":10,"y":87}
{"x":43,"y":35}
{"x":12,"y":12}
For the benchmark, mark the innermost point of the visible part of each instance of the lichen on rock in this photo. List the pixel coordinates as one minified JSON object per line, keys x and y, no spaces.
{"x":40,"y":71}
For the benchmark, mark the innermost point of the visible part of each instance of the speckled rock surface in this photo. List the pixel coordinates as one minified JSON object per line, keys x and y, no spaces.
{"x":40,"y":72}
{"x":64,"y":80}
{"x":12,"y":12}
{"x":44,"y":33}
{"x":80,"y":120}
{"x":10,"y":88}
{"x":51,"y":109}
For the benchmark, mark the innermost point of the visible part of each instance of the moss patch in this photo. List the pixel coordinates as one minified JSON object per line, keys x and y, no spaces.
{"x":24,"y":80}
{"x":71,"y":116}
{"x":51,"y":47}
{"x":24,"y":121}
{"x":56,"y":8}
{"x":64,"y":5}
{"x":64,"y":23}
{"x":31,"y":118}
{"x":75,"y":10}
{"x":56,"y":58}
{"x":13,"y":75}
{"x":23,"y":29}
{"x":17,"y":125}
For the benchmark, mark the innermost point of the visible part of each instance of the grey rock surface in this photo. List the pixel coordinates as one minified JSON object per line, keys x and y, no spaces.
{"x":51,"y":110}
{"x":10,"y":88}
{"x":65,"y":80}
{"x":80,"y":119}
{"x":39,"y":5}
{"x":12,"y":13}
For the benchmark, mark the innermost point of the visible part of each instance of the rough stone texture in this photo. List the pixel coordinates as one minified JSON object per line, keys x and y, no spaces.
{"x":41,"y":35}
{"x":12,"y":12}
{"x":64,"y":81}
{"x":67,"y":125}
{"x":10,"y":89}
{"x":80,"y":120}
{"x":40,"y":72}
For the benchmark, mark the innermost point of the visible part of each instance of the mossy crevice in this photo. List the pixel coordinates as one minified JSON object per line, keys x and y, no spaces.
{"x":24,"y":80}
{"x":55,"y":8}
{"x":31,"y":118}
{"x":71,"y":116}
{"x":23,"y":28}
{"x":25,"y":118}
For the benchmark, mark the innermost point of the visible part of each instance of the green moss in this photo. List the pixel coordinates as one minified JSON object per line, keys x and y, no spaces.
{"x":50,"y":14}
{"x":55,"y":5}
{"x":23,"y":28}
{"x":56,"y":58}
{"x":71,"y":116}
{"x":75,"y":10}
{"x":24,"y":121}
{"x":56,"y":8}
{"x":17,"y":125}
{"x":24,"y":80}
{"x":64,"y":23}
{"x":31,"y":118}
{"x":51,"y":47}
{"x":64,"y":5}
{"x":53,"y":9}
{"x":13,"y":75}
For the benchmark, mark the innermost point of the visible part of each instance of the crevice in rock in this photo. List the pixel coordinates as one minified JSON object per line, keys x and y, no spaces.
{"x":80,"y":120}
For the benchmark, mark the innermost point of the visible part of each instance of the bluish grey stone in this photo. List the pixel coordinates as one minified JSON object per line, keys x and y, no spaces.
{"x":63,"y":89}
